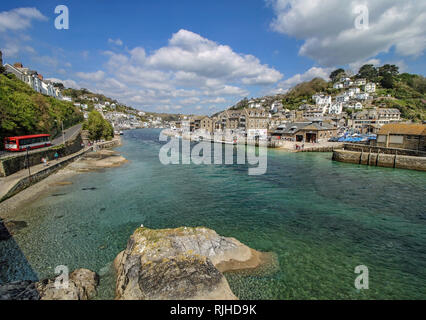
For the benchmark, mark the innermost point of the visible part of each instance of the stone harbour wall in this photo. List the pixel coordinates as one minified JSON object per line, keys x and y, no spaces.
{"x":18,"y":162}
{"x":380,"y":159}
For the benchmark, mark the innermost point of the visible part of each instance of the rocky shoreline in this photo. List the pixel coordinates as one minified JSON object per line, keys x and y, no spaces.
{"x":165,"y":264}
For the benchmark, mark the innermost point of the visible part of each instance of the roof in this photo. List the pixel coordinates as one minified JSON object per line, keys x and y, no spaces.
{"x":404,"y":128}
{"x":29,"y":137}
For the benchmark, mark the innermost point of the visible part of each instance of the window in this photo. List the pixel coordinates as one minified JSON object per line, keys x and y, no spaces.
{"x":396,"y":139}
{"x":381,"y":138}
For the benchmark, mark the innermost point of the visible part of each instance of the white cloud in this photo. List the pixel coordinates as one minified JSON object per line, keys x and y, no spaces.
{"x":328,"y":28}
{"x":215,"y":100}
{"x":190,"y":101}
{"x":189,"y":70}
{"x":116,"y":42}
{"x":19,"y":19}
{"x":91,"y":76}
{"x":67,"y":83}
{"x":192,"y":54}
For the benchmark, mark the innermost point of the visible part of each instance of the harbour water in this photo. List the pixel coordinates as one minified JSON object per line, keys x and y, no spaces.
{"x":321,"y":218}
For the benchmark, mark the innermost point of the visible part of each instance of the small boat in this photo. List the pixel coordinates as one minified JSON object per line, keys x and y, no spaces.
{"x":121,"y":133}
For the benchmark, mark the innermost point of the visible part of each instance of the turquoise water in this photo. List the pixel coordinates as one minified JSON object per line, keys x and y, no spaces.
{"x":321,"y":218}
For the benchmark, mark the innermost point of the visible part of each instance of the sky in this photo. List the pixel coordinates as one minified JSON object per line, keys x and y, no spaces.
{"x":202,"y":56}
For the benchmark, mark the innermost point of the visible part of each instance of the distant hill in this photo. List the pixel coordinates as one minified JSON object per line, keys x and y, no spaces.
{"x":24,"y":111}
{"x":77,"y":94}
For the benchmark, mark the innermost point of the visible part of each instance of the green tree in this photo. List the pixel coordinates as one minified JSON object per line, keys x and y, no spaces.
{"x":387,"y":81}
{"x":336,"y":74}
{"x":369,"y":72}
{"x":98,"y":127}
{"x":388,"y":69}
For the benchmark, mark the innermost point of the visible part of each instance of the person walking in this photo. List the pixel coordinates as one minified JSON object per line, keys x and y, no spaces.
{"x":56,"y":156}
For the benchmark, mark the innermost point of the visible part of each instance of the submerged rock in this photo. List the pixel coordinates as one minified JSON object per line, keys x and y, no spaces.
{"x":182,"y":264}
{"x":82,"y":286}
{"x":19,"y":290}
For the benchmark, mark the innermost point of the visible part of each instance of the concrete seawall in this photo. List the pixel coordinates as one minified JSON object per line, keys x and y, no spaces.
{"x":17,"y":162}
{"x":380,"y":159}
{"x":40,"y":175}
{"x":16,"y":186}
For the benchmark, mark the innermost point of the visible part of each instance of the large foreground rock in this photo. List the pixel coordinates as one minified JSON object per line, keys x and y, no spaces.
{"x":82,"y":286}
{"x":181,"y":264}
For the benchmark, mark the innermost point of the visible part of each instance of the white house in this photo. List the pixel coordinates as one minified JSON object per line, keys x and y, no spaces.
{"x":276,"y":105}
{"x":338,"y":85}
{"x":356,"y":106}
{"x":370,"y":87}
{"x":336,"y":108}
{"x":348,"y":83}
{"x":342,"y":98}
{"x":67,"y":99}
{"x":362,"y":96}
{"x":354,"y":91}
{"x":360,"y":82}
{"x":254,"y":104}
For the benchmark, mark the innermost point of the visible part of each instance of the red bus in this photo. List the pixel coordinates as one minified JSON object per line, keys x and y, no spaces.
{"x":22,"y":143}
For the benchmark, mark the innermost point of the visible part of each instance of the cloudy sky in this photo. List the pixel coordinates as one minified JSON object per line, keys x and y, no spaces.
{"x":200,"y":56}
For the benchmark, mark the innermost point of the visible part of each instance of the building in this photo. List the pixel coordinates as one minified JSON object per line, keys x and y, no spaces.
{"x":356,"y":106}
{"x":402,"y":136}
{"x":276,"y":106}
{"x":360,"y":82}
{"x":370,"y":87}
{"x":255,"y":119}
{"x":34,"y":80}
{"x":342,"y":98}
{"x":309,"y":132}
{"x":338,"y":85}
{"x":371,"y":120}
{"x":206,"y":125}
{"x":336,"y":108}
{"x":362,"y":96}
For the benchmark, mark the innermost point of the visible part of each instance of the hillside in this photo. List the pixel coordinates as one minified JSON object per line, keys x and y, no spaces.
{"x":24,"y":111}
{"x":84,"y":96}
{"x":406,"y":92}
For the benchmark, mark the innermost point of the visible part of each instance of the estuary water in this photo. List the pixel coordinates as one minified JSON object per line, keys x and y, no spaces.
{"x":321,"y":218}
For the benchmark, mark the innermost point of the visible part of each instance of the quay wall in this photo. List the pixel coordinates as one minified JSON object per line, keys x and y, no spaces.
{"x":18,"y":162}
{"x":380,"y":159}
{"x":37,"y":177}
{"x":381,"y":150}
{"x":116,"y":142}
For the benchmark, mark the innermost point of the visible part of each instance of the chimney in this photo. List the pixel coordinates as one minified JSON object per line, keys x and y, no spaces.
{"x":40,"y":77}
{"x":18,"y":65}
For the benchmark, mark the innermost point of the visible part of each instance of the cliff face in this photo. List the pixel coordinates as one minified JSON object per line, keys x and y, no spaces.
{"x":183,"y":263}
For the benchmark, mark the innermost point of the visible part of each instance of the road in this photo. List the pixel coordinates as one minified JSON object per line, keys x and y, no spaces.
{"x":69,"y":134}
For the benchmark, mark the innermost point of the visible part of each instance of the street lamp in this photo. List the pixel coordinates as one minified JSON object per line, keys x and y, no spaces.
{"x":63,"y":133}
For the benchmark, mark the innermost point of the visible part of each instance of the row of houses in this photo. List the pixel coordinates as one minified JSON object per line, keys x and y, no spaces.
{"x":34,"y":80}
{"x":295,"y":125}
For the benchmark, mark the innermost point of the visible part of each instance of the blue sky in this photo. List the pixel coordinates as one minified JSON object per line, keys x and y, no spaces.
{"x":202,"y":56}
